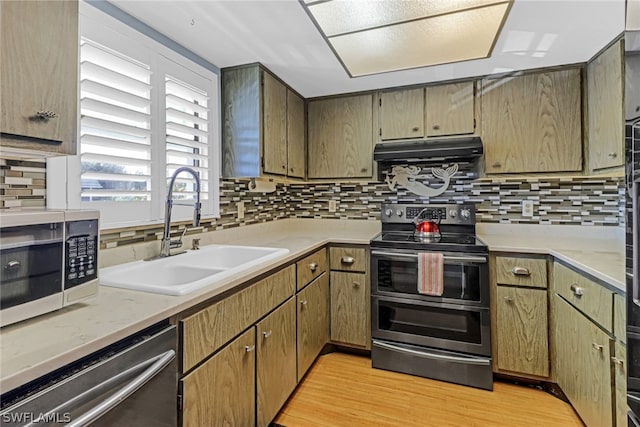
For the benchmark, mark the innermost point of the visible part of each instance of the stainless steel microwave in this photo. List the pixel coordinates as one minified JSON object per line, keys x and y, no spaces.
{"x":48,"y":260}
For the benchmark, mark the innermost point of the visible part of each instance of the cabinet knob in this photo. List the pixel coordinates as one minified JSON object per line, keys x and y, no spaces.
{"x":521,"y":271}
{"x":577,"y":290}
{"x":347,"y":260}
{"x":497,"y":165}
{"x":415,"y":129}
{"x":356,"y":284}
{"x":617,"y":361}
{"x":508,"y":299}
{"x":613,"y":155}
{"x":267,"y":334}
{"x":303,"y":302}
{"x":313,"y":266}
{"x":364,"y":170}
{"x":597,"y":347}
{"x":284,"y":167}
{"x":436,"y":127}
{"x":291,"y":170}
{"x":249,"y":348}
{"x":45,"y":115}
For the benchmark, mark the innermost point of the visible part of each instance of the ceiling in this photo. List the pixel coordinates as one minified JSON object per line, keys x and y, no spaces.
{"x":280,"y":35}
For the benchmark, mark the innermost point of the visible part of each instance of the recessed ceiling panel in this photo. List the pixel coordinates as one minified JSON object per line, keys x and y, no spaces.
{"x":344,"y":16}
{"x":439,"y":40}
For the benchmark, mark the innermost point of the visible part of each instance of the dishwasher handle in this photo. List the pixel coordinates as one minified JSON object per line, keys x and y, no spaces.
{"x":106,"y":405}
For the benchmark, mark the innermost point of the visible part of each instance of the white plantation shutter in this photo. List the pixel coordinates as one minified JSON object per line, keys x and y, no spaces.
{"x":187,"y":115}
{"x":115,"y":126}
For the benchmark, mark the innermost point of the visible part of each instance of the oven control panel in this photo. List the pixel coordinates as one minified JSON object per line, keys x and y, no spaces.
{"x":444,"y":214}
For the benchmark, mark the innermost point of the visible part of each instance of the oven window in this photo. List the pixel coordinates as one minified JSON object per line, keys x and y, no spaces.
{"x":461,"y":281}
{"x":427,"y":321}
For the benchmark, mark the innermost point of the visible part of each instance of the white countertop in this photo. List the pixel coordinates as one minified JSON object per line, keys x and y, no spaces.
{"x":38,"y":346}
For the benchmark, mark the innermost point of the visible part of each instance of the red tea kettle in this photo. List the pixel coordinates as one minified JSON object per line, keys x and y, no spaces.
{"x":427,"y":229}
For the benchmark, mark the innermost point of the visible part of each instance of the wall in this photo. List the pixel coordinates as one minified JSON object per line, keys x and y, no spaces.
{"x":573,"y":201}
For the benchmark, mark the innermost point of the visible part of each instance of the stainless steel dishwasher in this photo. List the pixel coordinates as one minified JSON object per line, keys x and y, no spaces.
{"x":132,"y":383}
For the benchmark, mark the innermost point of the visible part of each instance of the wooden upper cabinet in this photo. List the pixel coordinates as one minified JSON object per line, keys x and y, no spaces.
{"x":295,"y":135}
{"x":532,"y":123}
{"x":39,"y":75}
{"x":274,"y":125}
{"x":260,"y":134}
{"x":605,"y":109}
{"x":402,"y":114}
{"x":341,"y":137}
{"x":449,"y":109}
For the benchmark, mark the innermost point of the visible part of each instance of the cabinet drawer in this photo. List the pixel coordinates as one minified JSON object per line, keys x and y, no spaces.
{"x":311,"y":267}
{"x":530,"y":272}
{"x":207,"y":330}
{"x":620,"y":317}
{"x":348,"y":259}
{"x":589,"y":297}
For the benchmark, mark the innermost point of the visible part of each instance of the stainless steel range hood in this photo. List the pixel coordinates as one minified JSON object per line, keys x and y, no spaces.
{"x":430,"y":151}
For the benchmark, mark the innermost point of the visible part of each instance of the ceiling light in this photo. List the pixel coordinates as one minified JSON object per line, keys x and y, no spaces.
{"x":375,"y":36}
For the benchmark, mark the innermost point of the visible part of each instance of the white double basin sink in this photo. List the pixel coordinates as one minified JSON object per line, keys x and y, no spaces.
{"x":189,"y":271}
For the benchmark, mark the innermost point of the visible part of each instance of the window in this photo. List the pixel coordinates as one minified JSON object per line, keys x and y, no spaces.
{"x":145,"y":111}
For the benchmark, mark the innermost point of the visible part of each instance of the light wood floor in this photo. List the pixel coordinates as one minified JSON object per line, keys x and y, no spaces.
{"x":343,"y":390}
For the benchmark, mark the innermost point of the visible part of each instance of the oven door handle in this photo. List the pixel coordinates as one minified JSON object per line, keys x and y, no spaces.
{"x":451,"y":258}
{"x":467,"y":360}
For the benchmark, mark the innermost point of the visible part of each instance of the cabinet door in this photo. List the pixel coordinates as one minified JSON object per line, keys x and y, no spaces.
{"x":606,"y":118}
{"x":274,"y":125}
{"x":295,"y":135}
{"x":522,"y":330}
{"x":340,"y":137}
{"x":276,"y":361}
{"x":221,"y":392}
{"x":402,"y":114}
{"x":532,"y":123}
{"x":584,"y":365}
{"x":620,"y":376}
{"x":450,"y":109}
{"x":39,"y":73}
{"x":313,"y":322}
{"x":350,"y":309}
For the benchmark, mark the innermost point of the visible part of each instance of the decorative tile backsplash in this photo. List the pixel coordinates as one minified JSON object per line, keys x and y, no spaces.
{"x":22,"y":183}
{"x":559,"y":200}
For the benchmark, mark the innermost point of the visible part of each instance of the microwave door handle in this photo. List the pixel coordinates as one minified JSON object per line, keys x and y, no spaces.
{"x":447,"y":258}
{"x":106,"y":405}
{"x":428,"y":355}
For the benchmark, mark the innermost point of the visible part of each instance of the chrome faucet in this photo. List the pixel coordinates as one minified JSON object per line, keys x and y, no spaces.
{"x":167,"y":243}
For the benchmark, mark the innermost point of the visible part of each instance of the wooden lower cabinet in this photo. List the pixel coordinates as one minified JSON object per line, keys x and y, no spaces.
{"x":522,"y":334}
{"x":221,"y":392}
{"x":583,"y":365}
{"x":350,"y":309}
{"x":620,"y":375}
{"x":276,"y":361}
{"x":313,"y":321}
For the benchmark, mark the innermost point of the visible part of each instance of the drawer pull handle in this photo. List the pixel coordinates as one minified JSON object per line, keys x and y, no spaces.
{"x":313,"y":266}
{"x":249,"y":348}
{"x":45,"y":115}
{"x":617,"y":361}
{"x":347,"y":260}
{"x":577,"y":290}
{"x":508,"y":299}
{"x":521,"y":271}
{"x":356,"y":284}
{"x":267,"y":334}
{"x":303,"y":302}
{"x":12,"y":265}
{"x":597,"y":347}
{"x":415,"y":129}
{"x":613,"y":155}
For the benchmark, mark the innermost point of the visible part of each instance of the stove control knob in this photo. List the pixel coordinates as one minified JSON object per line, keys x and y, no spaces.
{"x":453,"y":213}
{"x":465,"y":213}
{"x":388,"y":212}
{"x":399,"y":212}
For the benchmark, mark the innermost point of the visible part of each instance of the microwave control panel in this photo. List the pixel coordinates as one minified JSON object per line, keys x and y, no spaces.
{"x":81,"y":253}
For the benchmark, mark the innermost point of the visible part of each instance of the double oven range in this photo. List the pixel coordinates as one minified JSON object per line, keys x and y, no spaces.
{"x":443,"y":337}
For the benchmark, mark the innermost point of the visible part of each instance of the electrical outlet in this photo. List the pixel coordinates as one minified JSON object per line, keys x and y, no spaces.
{"x":333,"y":206}
{"x":527,"y":208}
{"x":240,"y":210}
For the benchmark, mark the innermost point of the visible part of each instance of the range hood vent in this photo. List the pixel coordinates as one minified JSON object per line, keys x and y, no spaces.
{"x":430,"y":151}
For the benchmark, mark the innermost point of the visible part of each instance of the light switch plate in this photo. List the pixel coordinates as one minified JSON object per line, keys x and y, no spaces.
{"x":240,"y":210}
{"x":527,"y":208}
{"x":333,"y":205}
